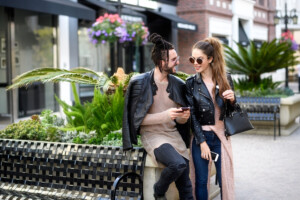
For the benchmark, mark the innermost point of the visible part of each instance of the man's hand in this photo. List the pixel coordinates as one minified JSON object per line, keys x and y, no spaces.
{"x":177,"y":112}
{"x":186,"y":114}
{"x":174,"y":113}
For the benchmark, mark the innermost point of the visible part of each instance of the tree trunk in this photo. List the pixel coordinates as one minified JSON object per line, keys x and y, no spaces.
{"x":255,"y":78}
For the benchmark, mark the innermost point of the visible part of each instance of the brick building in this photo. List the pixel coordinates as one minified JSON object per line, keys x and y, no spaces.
{"x":229,"y":20}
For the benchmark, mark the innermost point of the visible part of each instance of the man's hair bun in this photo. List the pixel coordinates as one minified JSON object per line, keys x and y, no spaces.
{"x":156,"y":39}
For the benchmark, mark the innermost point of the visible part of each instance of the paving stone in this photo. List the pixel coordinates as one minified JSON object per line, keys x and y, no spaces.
{"x":266,"y":169}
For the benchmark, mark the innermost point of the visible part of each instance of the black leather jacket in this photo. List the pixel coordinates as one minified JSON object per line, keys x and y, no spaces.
{"x":138,"y":100}
{"x":202,"y":107}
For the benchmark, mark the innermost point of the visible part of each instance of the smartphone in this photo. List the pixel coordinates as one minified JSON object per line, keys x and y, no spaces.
{"x":185,"y":108}
{"x":214,"y":156}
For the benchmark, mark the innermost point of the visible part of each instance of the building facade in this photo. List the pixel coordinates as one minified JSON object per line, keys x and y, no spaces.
{"x":36,"y":34}
{"x":51,"y":33}
{"x":229,"y":20}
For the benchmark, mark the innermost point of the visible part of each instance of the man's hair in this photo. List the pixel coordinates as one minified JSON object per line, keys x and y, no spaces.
{"x":160,"y":50}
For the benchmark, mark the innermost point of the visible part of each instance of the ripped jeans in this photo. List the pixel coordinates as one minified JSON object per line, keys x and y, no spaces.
{"x":177,"y":169}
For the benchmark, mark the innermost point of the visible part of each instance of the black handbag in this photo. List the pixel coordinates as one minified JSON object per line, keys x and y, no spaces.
{"x":236,"y":121}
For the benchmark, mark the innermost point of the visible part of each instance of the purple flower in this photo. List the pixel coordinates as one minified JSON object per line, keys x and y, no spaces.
{"x":103,"y":41}
{"x":103,"y":31}
{"x":95,"y":41}
{"x":120,"y":31}
{"x":105,"y":34}
{"x":133,"y":34}
{"x":294,"y":46}
{"x":98,"y":33}
{"x":145,"y":41}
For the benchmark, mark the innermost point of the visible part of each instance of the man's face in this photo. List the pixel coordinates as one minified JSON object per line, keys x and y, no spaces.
{"x":169,"y":67}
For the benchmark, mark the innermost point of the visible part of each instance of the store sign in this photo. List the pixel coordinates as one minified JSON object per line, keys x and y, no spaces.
{"x":186,"y":26}
{"x":141,"y":3}
{"x":130,"y":18}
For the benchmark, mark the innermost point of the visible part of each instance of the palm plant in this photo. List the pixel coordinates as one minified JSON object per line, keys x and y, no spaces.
{"x":77,"y":75}
{"x":253,"y":61}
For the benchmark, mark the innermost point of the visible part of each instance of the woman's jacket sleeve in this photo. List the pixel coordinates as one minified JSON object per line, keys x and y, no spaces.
{"x":196,"y":126}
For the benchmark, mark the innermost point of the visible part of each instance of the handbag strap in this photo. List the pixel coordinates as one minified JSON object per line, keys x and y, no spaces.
{"x":236,"y":107}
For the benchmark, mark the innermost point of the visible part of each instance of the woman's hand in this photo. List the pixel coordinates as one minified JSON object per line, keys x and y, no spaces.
{"x":229,"y":94}
{"x":205,"y":151}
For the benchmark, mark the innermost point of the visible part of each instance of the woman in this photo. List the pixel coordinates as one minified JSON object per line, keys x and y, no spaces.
{"x":208,"y":92}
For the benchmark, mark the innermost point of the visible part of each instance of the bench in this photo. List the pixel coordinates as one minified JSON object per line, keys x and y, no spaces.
{"x":48,"y":170}
{"x":262,"y":109}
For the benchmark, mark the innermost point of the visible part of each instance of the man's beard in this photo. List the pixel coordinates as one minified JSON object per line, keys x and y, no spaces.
{"x":167,"y":69}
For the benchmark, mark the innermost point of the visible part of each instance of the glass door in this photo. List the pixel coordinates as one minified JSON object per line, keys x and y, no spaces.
{"x":4,"y":95}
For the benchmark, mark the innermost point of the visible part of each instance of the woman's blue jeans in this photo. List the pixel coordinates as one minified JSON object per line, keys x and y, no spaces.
{"x":201,"y":165}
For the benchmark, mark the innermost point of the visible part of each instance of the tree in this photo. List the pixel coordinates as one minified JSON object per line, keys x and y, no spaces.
{"x":253,"y":61}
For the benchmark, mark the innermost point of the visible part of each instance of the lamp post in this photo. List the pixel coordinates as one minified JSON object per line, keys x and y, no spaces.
{"x":286,"y":19}
{"x":119,"y":46}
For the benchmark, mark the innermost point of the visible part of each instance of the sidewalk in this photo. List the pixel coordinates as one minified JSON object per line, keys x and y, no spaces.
{"x":266,"y":169}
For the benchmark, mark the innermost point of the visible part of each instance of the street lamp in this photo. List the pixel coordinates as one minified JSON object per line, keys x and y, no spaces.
{"x":292,"y":17}
{"x":119,"y":46}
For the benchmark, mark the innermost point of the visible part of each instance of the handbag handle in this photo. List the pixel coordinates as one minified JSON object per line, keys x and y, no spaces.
{"x":236,"y":107}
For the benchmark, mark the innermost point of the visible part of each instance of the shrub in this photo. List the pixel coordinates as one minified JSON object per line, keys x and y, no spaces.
{"x":265,"y":87}
{"x":114,"y":138}
{"x":51,"y":124}
{"x":31,"y":129}
{"x":104,"y":114}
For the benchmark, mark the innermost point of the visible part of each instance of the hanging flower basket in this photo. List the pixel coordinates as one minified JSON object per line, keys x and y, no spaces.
{"x":110,"y":28}
{"x":288,"y":37}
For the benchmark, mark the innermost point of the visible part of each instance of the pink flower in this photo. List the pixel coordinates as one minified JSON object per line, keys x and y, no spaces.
{"x":99,"y":19}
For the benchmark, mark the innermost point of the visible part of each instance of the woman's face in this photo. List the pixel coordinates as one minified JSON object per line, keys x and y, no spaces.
{"x":196,"y":54}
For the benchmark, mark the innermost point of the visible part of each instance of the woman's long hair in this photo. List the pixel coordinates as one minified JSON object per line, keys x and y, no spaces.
{"x":212,"y":47}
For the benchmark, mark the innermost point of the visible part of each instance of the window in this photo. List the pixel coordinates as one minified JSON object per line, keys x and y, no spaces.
{"x":35,"y":47}
{"x":97,"y":58}
{"x":4,"y":105}
{"x":261,"y":2}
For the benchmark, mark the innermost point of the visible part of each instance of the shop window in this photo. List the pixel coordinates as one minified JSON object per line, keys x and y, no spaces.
{"x":97,"y":58}
{"x":35,"y":47}
{"x":4,"y":102}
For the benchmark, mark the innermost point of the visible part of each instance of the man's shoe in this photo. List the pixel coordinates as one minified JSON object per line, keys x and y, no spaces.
{"x":157,"y":197}
{"x":160,"y":197}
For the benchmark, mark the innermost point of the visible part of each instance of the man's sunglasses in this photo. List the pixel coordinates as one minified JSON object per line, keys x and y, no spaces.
{"x":198,"y":60}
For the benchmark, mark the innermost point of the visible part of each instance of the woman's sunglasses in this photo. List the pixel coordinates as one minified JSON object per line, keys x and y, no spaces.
{"x":198,"y":60}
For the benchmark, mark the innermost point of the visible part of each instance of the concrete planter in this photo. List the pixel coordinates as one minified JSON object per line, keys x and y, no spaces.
{"x":152,"y":174}
{"x":289,"y":111}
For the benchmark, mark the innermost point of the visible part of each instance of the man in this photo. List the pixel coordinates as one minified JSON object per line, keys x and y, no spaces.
{"x":153,"y":104}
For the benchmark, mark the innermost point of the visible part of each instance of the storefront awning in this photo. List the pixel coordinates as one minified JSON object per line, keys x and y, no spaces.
{"x":180,"y":23}
{"x":126,"y":13}
{"x":55,"y":7}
